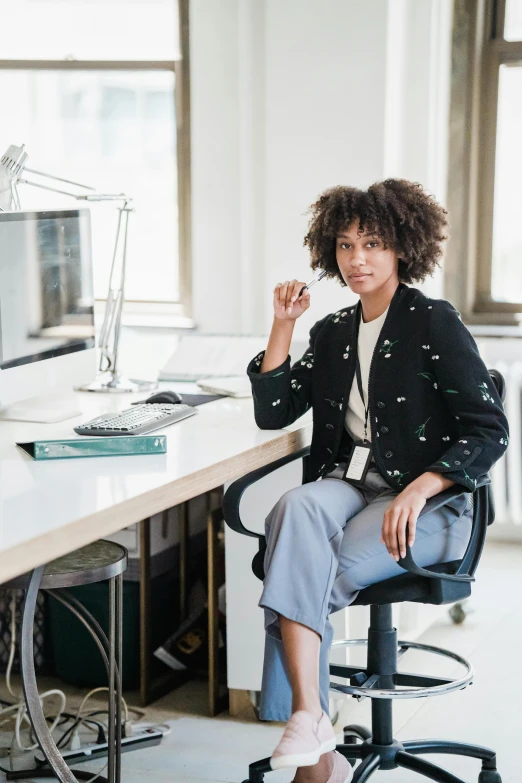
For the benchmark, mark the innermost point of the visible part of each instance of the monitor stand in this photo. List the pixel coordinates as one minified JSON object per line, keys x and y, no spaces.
{"x":42,"y":410}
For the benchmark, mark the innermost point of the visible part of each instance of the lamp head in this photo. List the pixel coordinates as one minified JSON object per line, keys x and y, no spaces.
{"x":13,"y":160}
{"x":12,"y":164}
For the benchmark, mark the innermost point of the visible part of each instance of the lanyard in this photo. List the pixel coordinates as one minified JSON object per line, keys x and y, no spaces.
{"x":360,"y":387}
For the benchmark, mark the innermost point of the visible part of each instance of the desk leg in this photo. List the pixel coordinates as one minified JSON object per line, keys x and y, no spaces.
{"x":183,"y":556}
{"x":213,"y":639}
{"x":145,"y":684}
{"x":217,"y":702}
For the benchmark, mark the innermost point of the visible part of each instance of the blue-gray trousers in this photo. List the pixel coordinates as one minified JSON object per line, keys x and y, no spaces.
{"x":323,"y":547}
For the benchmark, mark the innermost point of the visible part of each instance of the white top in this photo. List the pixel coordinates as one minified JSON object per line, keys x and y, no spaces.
{"x":368,"y":336}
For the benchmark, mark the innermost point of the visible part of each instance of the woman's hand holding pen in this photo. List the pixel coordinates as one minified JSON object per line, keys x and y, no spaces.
{"x":288,"y":304}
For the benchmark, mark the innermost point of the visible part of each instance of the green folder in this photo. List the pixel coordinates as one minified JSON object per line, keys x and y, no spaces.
{"x":118,"y":446}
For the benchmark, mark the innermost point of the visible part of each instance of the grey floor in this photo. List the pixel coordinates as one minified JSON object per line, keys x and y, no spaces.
{"x":199,"y":749}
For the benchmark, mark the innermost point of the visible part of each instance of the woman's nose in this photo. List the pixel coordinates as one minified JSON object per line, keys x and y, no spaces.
{"x":358,"y":256}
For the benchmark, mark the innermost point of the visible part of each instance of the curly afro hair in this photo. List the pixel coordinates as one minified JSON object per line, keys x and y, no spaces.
{"x":398,"y":211}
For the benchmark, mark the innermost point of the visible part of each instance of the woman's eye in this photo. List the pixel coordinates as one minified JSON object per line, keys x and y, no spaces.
{"x":373,"y":244}
{"x":345,"y":245}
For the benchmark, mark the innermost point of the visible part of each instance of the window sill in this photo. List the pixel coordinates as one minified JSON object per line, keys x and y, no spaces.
{"x":153,"y":315}
{"x":494,"y":330}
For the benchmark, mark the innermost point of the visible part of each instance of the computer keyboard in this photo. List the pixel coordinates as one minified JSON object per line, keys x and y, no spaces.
{"x":138,"y":420}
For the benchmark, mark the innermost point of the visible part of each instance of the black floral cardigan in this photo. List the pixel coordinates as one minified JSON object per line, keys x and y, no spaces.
{"x":433,"y":404}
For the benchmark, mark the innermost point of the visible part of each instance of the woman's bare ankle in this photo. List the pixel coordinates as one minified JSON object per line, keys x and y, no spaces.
{"x":319,"y":773}
{"x":309,"y":703}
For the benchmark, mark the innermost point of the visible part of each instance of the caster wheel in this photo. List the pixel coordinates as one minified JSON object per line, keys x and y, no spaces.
{"x":489,"y":776}
{"x":354,"y":733}
{"x":457,"y":613}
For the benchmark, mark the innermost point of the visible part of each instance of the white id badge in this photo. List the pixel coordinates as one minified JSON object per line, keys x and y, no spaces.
{"x":358,"y":464}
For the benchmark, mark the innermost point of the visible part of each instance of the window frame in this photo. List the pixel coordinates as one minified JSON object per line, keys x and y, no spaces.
{"x":171,"y":310}
{"x":478,"y":51}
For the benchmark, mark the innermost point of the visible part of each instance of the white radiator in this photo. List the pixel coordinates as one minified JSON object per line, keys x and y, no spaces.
{"x":506,"y":474}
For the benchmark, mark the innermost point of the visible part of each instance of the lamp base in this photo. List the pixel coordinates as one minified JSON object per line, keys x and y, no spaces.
{"x":108,"y":382}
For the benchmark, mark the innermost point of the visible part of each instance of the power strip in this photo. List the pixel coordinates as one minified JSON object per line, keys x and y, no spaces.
{"x":142,"y":739}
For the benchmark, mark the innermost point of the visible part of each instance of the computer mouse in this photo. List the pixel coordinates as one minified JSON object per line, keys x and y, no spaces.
{"x":165,"y":396}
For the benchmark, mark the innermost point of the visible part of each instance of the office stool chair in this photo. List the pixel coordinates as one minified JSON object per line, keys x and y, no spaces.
{"x":445,"y":583}
{"x":93,"y":563}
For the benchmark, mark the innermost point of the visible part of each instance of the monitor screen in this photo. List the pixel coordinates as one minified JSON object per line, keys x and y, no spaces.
{"x":46,"y":293}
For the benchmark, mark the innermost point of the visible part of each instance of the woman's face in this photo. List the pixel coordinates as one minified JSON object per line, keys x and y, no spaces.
{"x":365,"y":264}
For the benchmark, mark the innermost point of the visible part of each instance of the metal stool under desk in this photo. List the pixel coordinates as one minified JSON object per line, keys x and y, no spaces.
{"x":93,"y":563}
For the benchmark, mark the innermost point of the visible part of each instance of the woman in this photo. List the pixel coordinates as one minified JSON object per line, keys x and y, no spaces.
{"x":400,"y":377}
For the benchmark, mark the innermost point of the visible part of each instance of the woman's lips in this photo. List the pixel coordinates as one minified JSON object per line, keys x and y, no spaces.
{"x":358,"y":277}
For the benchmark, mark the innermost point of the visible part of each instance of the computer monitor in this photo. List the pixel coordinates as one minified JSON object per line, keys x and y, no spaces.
{"x":46,"y":309}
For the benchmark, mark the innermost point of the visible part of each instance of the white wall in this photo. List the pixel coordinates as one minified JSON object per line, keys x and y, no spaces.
{"x":289,"y":98}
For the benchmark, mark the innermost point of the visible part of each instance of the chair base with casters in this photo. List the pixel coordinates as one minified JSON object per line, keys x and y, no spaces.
{"x":445,"y":583}
{"x":102,"y":560}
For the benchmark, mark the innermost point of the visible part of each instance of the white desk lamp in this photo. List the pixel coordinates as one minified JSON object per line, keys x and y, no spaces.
{"x":12,"y":166}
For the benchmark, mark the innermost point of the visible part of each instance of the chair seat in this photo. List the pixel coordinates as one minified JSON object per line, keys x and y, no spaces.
{"x":92,"y":563}
{"x":416,"y":589}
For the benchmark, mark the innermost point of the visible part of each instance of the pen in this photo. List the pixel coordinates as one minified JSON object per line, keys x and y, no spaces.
{"x":311,"y":283}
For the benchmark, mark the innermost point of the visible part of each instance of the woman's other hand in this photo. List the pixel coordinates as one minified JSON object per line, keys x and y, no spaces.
{"x":288,"y":305}
{"x":400,"y":519}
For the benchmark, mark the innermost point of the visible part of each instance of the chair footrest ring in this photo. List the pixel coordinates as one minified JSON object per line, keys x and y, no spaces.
{"x":374,"y":692}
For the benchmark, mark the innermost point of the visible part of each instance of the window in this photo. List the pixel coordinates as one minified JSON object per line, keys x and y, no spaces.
{"x":97,"y":92}
{"x":485,"y":191}
{"x":501,"y":234}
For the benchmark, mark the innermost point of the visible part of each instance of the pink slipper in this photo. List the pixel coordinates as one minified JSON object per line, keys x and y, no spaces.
{"x":304,"y":741}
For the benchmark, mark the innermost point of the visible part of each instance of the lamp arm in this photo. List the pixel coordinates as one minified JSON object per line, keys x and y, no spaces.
{"x":58,"y":179}
{"x":79,"y":196}
{"x":110,"y":330}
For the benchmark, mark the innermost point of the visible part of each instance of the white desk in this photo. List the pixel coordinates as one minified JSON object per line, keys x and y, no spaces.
{"x":50,"y":508}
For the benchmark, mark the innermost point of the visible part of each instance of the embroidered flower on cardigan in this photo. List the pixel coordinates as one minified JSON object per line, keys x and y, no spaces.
{"x":345,"y":355}
{"x":276,"y":402}
{"x":386,"y":348}
{"x":445,"y":437}
{"x":504,"y":441}
{"x":399,"y":399}
{"x":421,"y":430}
{"x":436,"y":356}
{"x":473,"y":481}
{"x":398,"y":475}
{"x":412,"y":308}
{"x":430,"y":377}
{"x":485,"y":393}
{"x":426,"y":347}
